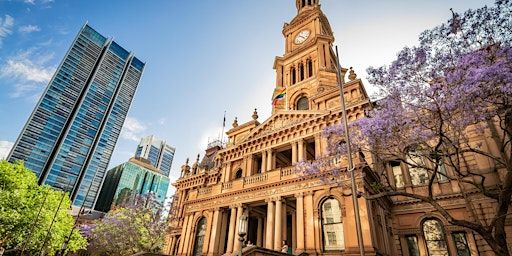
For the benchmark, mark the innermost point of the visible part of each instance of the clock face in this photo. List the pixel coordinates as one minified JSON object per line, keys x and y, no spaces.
{"x":302,"y":36}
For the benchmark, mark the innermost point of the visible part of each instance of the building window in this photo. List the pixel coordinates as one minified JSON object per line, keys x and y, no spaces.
{"x":332,"y":225}
{"x":419,"y":175}
{"x":293,"y":75}
{"x":397,"y":174}
{"x":200,"y":233}
{"x":238,"y":174}
{"x":435,"y":238}
{"x":309,"y":65}
{"x":303,"y":103}
{"x":461,"y":243}
{"x":441,"y":172}
{"x":412,"y":245}
{"x":301,"y":72}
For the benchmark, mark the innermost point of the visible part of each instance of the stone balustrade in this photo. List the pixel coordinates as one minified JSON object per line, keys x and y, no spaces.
{"x":262,"y":177}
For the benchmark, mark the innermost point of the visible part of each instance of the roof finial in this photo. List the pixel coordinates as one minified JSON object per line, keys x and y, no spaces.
{"x":255,"y":114}
{"x":352,"y":75}
{"x":235,"y":123}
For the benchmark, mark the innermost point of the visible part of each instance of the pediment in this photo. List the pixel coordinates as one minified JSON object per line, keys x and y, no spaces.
{"x":282,"y":120}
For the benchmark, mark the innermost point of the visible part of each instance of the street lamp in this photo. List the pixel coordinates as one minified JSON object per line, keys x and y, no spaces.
{"x":349,"y":153}
{"x":242,"y":227}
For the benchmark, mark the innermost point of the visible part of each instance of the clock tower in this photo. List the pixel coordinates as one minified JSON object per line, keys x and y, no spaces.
{"x":305,"y":73}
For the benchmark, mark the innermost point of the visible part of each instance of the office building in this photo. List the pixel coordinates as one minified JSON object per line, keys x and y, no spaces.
{"x":131,"y":179}
{"x":69,"y":137}
{"x":157,"y":152}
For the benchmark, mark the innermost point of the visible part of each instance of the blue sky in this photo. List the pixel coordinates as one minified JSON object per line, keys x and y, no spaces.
{"x":203,"y":57}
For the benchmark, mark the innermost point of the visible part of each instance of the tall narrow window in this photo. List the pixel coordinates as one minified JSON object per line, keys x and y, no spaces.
{"x":301,"y":72}
{"x":419,"y":175}
{"x":293,"y":75}
{"x":310,"y":68}
{"x":412,"y":245}
{"x":303,"y":3}
{"x":461,"y":243}
{"x":200,"y":233}
{"x":441,"y":172}
{"x":332,"y":225}
{"x":435,"y":238}
{"x":397,"y":174}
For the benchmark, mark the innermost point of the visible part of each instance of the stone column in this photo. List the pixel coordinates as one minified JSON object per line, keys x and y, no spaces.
{"x":215,"y":234}
{"x":183,"y":232}
{"x":259,"y":236}
{"x":263,"y":161}
{"x":269,"y":238}
{"x":231,"y":235}
{"x":269,"y":160}
{"x":250,"y":163}
{"x":318,"y":146}
{"x":294,"y":152}
{"x":300,"y":222}
{"x":239,"y":213}
{"x":208,"y":233}
{"x":227,"y":172}
{"x":278,"y":225}
{"x":301,"y":150}
{"x":284,"y":224}
{"x":309,"y":234}
{"x":188,"y":235}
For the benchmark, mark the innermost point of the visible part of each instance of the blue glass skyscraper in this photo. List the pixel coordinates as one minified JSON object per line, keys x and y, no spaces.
{"x":70,"y":135}
{"x":157,"y":152}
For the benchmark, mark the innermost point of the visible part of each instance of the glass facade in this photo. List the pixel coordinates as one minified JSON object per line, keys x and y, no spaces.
{"x":128,"y":180}
{"x":71,"y":133}
{"x":157,"y":152}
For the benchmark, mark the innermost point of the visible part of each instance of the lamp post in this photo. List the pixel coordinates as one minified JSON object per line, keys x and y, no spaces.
{"x":242,"y":227}
{"x":350,"y":163}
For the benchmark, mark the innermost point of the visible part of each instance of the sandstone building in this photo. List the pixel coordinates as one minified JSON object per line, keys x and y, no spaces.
{"x":253,"y":173}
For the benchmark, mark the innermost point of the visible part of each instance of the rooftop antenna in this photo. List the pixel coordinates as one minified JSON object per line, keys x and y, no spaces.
{"x":223,"y":126}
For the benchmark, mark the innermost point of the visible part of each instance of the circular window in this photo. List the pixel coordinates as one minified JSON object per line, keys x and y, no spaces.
{"x":303,"y":103}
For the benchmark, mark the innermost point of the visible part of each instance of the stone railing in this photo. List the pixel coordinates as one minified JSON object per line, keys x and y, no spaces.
{"x":287,"y":171}
{"x":204,"y":191}
{"x":255,"y":179}
{"x":227,"y":185}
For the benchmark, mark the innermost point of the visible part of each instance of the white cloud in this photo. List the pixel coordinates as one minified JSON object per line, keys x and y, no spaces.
{"x":6,"y":24}
{"x":27,"y":72}
{"x":33,"y":2}
{"x":27,"y":29}
{"x":132,"y":129}
{"x":5,"y":148}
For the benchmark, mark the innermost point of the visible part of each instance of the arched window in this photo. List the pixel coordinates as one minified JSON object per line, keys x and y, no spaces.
{"x":303,"y":3}
{"x":200,"y":233}
{"x":238,"y":174}
{"x":293,"y":75}
{"x":332,"y":225}
{"x":301,"y":72}
{"x":435,"y":238}
{"x":303,"y":103}
{"x":310,"y":68}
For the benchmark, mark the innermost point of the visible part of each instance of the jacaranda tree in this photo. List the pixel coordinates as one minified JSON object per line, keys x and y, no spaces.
{"x":33,"y":218}
{"x":433,"y":100}
{"x":133,"y":227}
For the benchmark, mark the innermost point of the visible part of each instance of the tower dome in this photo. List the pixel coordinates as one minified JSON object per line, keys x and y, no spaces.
{"x":301,"y":4}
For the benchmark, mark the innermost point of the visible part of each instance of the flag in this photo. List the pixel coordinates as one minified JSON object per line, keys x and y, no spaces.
{"x":278,"y":97}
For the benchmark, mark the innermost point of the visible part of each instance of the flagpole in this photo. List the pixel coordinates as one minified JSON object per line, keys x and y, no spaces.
{"x":286,"y":100}
{"x":223,"y":126}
